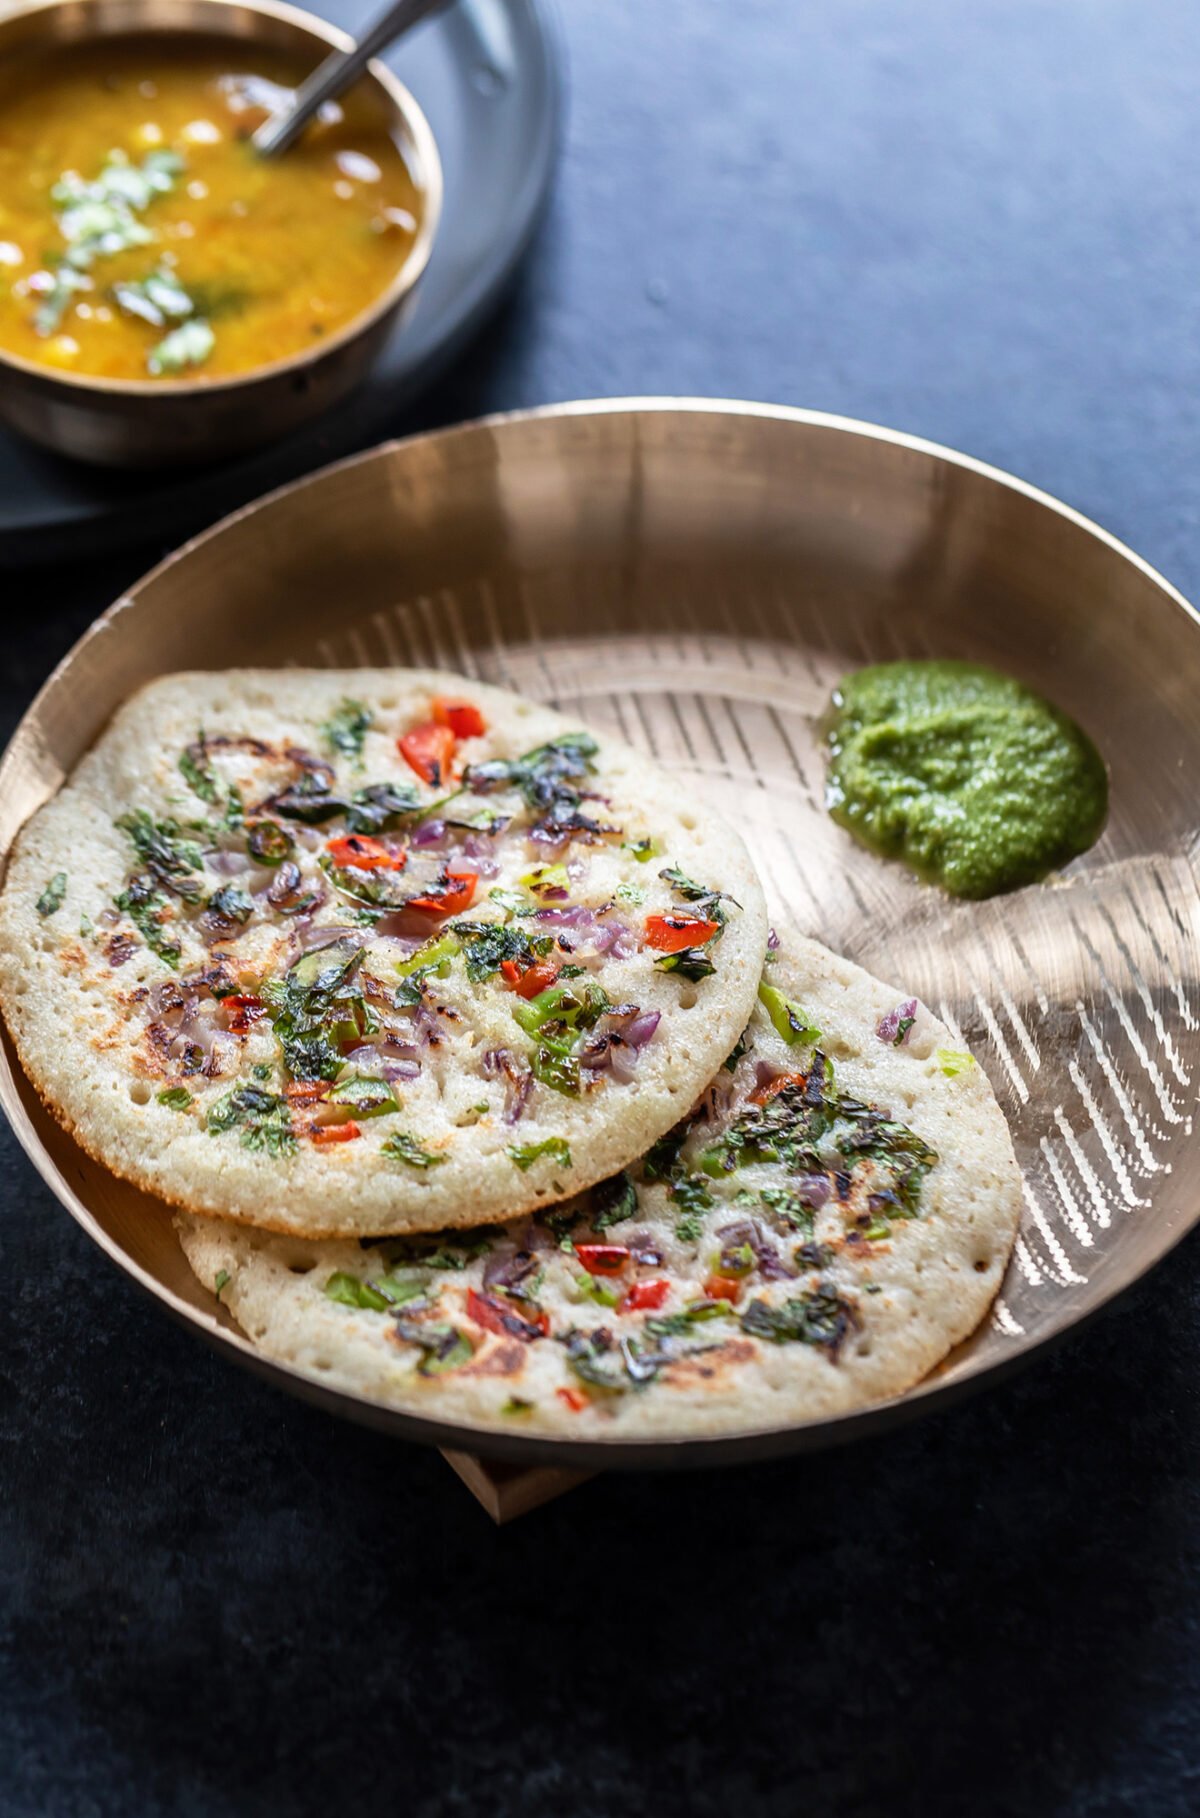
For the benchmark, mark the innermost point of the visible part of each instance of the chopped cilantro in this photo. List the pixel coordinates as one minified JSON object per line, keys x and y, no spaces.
{"x":346,"y":729}
{"x":677,"y":1325}
{"x":487,"y":945}
{"x":405,"y":1148}
{"x":141,"y":903}
{"x":51,"y":899}
{"x":525,"y":1154}
{"x":197,"y":772}
{"x":166,"y":855}
{"x":188,"y":345}
{"x":221,"y":1282}
{"x":516,"y":1404}
{"x":631,"y":893}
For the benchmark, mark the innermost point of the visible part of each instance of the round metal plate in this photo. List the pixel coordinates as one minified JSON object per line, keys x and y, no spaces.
{"x":695,"y":576}
{"x":486,"y":74}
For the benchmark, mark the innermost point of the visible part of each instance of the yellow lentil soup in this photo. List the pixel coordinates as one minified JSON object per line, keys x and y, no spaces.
{"x":141,"y":235}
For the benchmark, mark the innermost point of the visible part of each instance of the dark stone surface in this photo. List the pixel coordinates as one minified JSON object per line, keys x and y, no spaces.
{"x":978,"y":223}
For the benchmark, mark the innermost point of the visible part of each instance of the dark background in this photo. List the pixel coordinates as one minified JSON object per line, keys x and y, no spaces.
{"x":978,"y":222}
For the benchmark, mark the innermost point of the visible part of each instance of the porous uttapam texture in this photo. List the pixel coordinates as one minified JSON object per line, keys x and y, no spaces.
{"x":371,"y":951}
{"x":833,"y":1215}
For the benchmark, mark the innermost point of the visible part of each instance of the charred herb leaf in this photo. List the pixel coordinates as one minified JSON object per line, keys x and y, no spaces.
{"x":262,"y":1119}
{"x":380,"y":807}
{"x":820,"y":1317}
{"x":316,"y":1006}
{"x":613,"y":1201}
{"x":231,"y":904}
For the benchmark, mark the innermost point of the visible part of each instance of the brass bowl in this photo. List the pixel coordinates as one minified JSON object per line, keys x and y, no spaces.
{"x":143,"y":423}
{"x":695,"y":577}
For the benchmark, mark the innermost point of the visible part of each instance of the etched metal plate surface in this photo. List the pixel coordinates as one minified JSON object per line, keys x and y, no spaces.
{"x":696,"y":577}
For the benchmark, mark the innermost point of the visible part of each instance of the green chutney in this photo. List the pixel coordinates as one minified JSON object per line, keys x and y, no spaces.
{"x":970,"y":778}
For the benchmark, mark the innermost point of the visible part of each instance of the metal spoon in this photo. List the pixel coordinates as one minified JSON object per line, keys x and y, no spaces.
{"x":336,"y":73}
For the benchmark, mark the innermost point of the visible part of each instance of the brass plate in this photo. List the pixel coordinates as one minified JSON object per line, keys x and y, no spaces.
{"x":695,"y":576}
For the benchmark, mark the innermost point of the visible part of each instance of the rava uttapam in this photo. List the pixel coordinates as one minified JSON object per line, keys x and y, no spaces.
{"x":364,"y":952}
{"x":825,"y":1223}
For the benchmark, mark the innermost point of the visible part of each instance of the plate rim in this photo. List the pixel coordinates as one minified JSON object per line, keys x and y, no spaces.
{"x":698,"y":1451}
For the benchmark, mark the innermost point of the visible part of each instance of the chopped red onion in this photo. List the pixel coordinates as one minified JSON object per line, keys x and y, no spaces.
{"x":226,"y":864}
{"x":748,"y":1231}
{"x":429,"y":833}
{"x":813,"y":1190}
{"x":404,"y":924}
{"x":772,"y":941}
{"x":502,"y":1062}
{"x":640,"y":1030}
{"x":507,"y":1266}
{"x":311,"y":936}
{"x":888,"y":1028}
{"x":577,"y":916}
{"x":401,"y":1069}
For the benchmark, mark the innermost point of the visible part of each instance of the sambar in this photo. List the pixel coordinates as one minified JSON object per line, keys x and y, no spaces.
{"x":143,"y":237}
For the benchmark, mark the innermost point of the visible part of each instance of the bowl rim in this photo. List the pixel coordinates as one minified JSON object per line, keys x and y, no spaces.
{"x":935,"y":1392}
{"x":407,"y":112}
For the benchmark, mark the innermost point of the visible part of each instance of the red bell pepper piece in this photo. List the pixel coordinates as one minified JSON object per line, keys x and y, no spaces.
{"x":458,"y":894}
{"x":364,"y":854}
{"x":723,"y":1287}
{"x":643,"y":1296}
{"x":429,"y":749}
{"x":336,"y":1133}
{"x":243,"y":1013}
{"x":462,"y":717}
{"x":672,"y":933}
{"x":574,"y":1399}
{"x":761,"y":1095}
{"x":494,"y":1316}
{"x":535,"y":978}
{"x":602,"y":1259}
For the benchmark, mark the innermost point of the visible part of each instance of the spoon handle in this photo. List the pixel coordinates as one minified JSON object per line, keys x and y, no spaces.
{"x":336,"y":73}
